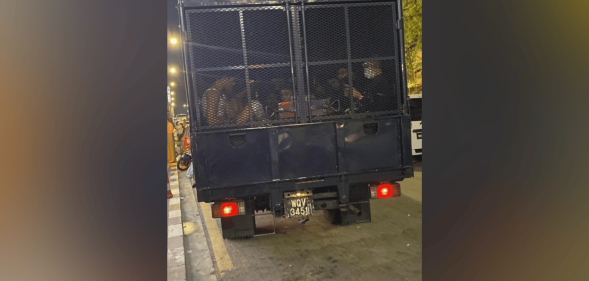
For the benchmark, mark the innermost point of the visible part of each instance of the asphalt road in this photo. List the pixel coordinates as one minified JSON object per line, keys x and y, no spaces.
{"x":387,"y":248}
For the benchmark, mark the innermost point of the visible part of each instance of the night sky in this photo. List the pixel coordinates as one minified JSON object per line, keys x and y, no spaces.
{"x":175,"y":58}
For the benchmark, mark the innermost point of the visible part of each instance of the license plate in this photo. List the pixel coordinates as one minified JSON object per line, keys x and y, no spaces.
{"x":300,"y":206}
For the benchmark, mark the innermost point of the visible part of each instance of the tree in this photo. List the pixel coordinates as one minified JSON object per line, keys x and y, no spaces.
{"x":413,"y":46}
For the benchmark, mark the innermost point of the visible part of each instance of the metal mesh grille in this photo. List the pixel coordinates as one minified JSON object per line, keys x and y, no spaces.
{"x":215,"y":39}
{"x":327,"y":52}
{"x":415,"y":109}
{"x":373,"y":51}
{"x":240,"y":61}
{"x":352,"y":59}
{"x":240,"y":64}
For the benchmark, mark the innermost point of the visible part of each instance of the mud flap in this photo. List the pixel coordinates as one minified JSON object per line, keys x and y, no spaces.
{"x":242,"y":226}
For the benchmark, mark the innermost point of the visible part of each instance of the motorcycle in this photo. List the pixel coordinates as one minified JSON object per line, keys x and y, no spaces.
{"x":185,"y":159}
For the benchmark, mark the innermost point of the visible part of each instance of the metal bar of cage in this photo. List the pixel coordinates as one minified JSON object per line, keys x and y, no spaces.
{"x":349,"y":54}
{"x":300,"y":87}
{"x":292,"y":72}
{"x":352,"y":60}
{"x":247,"y":77}
{"x":193,"y":111}
{"x":310,"y":112}
{"x":401,"y":40}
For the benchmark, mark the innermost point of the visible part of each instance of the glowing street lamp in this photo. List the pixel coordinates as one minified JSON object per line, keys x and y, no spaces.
{"x":173,"y":41}
{"x":172,"y":84}
{"x":172,"y":93}
{"x":173,"y":70}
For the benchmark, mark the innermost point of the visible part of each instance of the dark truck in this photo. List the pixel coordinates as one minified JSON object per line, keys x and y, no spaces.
{"x":295,"y":107}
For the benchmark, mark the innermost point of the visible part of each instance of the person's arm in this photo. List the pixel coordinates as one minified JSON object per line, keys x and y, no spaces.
{"x":354,"y":92}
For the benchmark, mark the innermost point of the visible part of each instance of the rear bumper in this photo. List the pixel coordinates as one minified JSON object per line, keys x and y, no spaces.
{"x":275,"y":190}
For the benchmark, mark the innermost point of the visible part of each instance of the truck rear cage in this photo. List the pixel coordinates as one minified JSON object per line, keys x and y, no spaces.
{"x":268,"y":65}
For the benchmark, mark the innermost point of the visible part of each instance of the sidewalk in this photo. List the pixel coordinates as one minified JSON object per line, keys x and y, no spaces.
{"x":189,"y":256}
{"x":176,"y":260}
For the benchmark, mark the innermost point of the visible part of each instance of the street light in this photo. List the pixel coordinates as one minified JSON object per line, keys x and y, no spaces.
{"x":172,"y":93}
{"x":174,"y":41}
{"x":173,"y":104}
{"x":172,"y":84}
{"x":173,"y":70}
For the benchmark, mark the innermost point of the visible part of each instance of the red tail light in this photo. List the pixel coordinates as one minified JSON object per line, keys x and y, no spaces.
{"x":385,"y":190}
{"x":229,"y":209}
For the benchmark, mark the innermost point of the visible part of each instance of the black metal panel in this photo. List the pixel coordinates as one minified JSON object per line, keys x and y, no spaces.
{"x":229,"y":164}
{"x":415,"y":109}
{"x":276,"y":189}
{"x":199,"y":160}
{"x":405,"y":153}
{"x":372,"y":151}
{"x":307,"y":151}
{"x":359,"y":193}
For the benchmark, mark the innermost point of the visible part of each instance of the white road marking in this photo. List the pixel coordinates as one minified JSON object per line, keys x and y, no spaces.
{"x":176,"y":255}
{"x":174,"y":214}
{"x":175,"y":230}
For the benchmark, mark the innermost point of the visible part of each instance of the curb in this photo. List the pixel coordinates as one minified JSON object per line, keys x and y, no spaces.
{"x":176,"y":259}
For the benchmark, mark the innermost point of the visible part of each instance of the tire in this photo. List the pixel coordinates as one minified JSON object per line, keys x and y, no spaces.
{"x":183,"y":164}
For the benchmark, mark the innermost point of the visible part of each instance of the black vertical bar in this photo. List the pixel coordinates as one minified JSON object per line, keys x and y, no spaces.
{"x":349,"y":50}
{"x":193,"y":106}
{"x":245,"y":65}
{"x":294,"y":91}
{"x":298,"y":56}
{"x":306,"y":63}
{"x":274,"y":162}
{"x":400,"y":27}
{"x":340,"y":140}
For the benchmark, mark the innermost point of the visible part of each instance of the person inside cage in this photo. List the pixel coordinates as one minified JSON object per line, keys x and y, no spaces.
{"x":378,"y":87}
{"x":339,"y":88}
{"x":221,"y":105}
